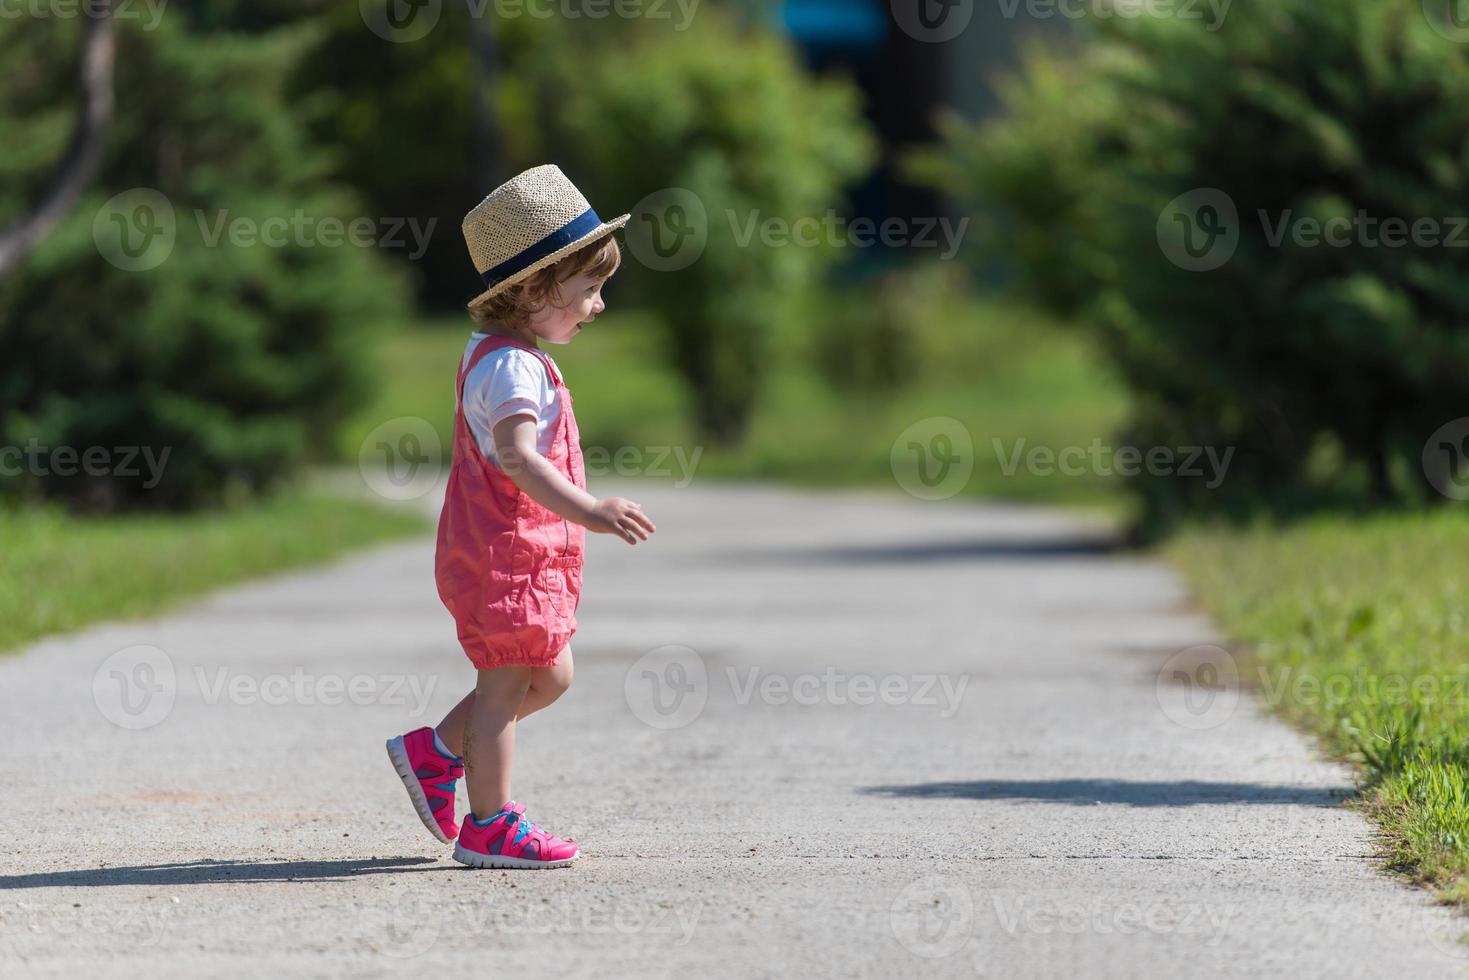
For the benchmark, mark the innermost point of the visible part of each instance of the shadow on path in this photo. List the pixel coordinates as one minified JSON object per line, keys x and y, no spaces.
{"x":199,"y":872}
{"x":1085,"y":792}
{"x":930,"y":551}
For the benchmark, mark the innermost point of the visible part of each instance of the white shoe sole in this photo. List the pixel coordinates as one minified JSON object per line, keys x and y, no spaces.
{"x":398,"y":753}
{"x":475,"y":859}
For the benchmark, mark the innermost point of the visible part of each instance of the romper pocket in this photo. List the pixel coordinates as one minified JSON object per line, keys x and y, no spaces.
{"x":560,"y":581}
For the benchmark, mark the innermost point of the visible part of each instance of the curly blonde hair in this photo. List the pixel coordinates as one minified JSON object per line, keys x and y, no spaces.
{"x":511,"y":309}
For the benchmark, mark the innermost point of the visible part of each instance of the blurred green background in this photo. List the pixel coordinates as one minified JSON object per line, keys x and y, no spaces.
{"x":1138,"y":206}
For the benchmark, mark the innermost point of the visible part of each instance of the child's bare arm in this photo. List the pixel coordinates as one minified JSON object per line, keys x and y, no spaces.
{"x":515,"y":447}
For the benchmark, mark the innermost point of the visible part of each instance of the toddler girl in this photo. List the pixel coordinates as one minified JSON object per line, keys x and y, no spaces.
{"x":516,"y":511}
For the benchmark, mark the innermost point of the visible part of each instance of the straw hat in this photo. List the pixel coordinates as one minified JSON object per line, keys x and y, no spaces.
{"x":529,"y":222}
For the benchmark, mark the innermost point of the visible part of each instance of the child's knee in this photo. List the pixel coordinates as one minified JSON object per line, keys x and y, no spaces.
{"x":558,"y":681}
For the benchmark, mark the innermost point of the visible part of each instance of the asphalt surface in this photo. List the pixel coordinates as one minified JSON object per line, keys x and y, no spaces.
{"x":810,"y":734}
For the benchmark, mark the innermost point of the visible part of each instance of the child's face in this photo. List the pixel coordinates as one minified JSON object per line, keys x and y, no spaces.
{"x":583,"y":297}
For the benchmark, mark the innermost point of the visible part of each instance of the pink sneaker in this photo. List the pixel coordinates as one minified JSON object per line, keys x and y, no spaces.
{"x":429,"y":776}
{"x":508,"y":840}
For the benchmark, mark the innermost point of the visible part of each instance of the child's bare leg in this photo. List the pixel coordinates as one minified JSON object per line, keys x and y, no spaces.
{"x":546,"y":685}
{"x":451,"y":729}
{"x":489,"y":737}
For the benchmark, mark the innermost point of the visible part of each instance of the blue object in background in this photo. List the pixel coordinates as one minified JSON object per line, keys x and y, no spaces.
{"x":857,"y":24}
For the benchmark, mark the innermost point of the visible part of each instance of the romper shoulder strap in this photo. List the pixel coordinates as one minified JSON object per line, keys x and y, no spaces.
{"x":494,"y":342}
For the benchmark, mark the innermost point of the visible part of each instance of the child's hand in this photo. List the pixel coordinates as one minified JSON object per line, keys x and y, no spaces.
{"x":620,"y":516}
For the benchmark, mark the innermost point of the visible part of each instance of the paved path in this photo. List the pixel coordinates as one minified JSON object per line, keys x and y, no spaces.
{"x":928,"y":738}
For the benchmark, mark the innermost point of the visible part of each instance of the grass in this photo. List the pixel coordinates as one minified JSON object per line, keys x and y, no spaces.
{"x":1006,"y":373}
{"x":59,"y":572}
{"x":1359,"y":630}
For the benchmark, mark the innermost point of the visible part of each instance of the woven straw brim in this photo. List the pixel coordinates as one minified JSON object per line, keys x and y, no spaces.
{"x":605,"y":228}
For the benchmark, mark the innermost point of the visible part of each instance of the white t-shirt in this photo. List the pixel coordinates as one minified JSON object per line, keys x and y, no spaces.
{"x":509,"y":381}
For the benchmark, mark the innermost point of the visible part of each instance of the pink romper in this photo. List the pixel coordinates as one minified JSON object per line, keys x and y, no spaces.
{"x":508,"y":569}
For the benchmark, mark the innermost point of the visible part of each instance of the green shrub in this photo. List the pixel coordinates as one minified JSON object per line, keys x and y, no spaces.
{"x":716,"y":126}
{"x":1327,"y":368}
{"x":237,"y":360}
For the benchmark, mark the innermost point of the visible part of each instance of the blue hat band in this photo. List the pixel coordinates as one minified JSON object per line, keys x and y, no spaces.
{"x":558,"y":239}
